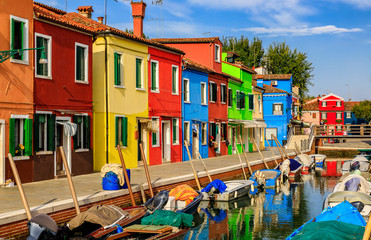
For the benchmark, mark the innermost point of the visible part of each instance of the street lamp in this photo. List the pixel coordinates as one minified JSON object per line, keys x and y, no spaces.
{"x":4,"y":55}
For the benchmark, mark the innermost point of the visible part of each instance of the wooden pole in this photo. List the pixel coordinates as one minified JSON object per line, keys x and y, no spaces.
{"x":274,"y":156}
{"x":193,"y":168}
{"x":207,"y":172}
{"x":19,"y":185}
{"x":69,"y":178}
{"x":297,"y":148}
{"x":284,"y":151}
{"x":243,"y":169}
{"x":261,"y":155}
{"x":244,"y":154}
{"x":126,"y":175}
{"x":146,"y":169}
{"x":366,"y":235}
{"x":279,"y":149}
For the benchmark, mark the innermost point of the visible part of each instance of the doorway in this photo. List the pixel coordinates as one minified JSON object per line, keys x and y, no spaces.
{"x":166,"y":147}
{"x":245,"y":138}
{"x":65,"y":142}
{"x":2,"y":151}
{"x":217,"y":139}
{"x":195,"y":141}
{"x":142,"y":132}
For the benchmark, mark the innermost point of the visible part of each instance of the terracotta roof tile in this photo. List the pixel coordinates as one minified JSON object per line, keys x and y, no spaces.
{"x":349,"y":105}
{"x":272,"y":76}
{"x":242,"y":66}
{"x":186,"y":40}
{"x":312,"y":106}
{"x":56,"y":10}
{"x":195,"y":65}
{"x":270,"y":89}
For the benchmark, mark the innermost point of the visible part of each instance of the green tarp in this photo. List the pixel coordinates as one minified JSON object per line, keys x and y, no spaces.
{"x":164,"y":217}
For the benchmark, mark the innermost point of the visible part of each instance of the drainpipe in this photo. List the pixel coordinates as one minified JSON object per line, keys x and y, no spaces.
{"x":106,"y":92}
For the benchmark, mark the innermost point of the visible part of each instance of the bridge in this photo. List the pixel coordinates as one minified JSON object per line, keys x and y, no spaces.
{"x":342,"y":131}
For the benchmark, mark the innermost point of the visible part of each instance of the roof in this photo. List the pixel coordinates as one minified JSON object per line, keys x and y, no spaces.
{"x":233,"y":78}
{"x":186,"y":40}
{"x":255,"y":84}
{"x":80,"y":22}
{"x":312,"y":106}
{"x":349,"y":105}
{"x":197,"y":66}
{"x":242,"y":66}
{"x":273,"y":76}
{"x":270,"y":89}
{"x":331,"y":95}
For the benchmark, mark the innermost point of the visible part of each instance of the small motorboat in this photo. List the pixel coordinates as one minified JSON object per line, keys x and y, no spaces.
{"x":319,"y":159}
{"x":365,"y":152}
{"x":290,"y":168}
{"x":353,"y":182}
{"x":232,"y":190}
{"x":268,"y":178}
{"x":342,"y":221}
{"x":363,"y":162}
{"x":307,"y":161}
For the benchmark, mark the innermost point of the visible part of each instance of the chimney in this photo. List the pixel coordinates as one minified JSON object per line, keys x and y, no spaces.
{"x":138,"y":12}
{"x":100,"y":20}
{"x":85,"y":11}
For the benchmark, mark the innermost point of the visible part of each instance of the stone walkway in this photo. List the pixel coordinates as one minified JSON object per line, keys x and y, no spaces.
{"x":54,"y":195}
{"x":361,"y":143}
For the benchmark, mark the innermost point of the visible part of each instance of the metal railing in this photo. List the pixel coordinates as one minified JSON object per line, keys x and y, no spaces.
{"x":343,"y":130}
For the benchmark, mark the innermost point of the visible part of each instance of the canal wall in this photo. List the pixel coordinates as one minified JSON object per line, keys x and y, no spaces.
{"x":13,"y":225}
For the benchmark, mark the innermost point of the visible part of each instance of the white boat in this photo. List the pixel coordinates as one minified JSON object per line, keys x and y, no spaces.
{"x":363,"y":161}
{"x":308,"y":162}
{"x":319,"y":159}
{"x":235,"y":189}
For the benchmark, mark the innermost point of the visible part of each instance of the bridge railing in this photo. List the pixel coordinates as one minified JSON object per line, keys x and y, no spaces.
{"x":343,"y":130}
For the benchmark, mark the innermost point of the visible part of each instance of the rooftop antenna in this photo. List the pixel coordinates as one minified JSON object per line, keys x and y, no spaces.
{"x":151,"y":19}
{"x":159,"y":2}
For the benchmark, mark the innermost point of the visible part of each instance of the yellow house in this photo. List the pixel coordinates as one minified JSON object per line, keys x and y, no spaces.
{"x":257,"y":114}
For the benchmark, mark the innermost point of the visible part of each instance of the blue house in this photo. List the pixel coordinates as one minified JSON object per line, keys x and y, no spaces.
{"x":277,"y":104}
{"x":349,"y":117}
{"x":195,"y":111}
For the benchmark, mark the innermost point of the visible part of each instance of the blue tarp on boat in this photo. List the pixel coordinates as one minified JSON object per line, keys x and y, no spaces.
{"x":217,"y":184}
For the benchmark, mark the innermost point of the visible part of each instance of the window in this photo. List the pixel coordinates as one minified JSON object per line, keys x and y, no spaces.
{"x":186,"y":132}
{"x":81,"y":62}
{"x":175,"y":131}
{"x":139,"y":73}
{"x":349,"y":115}
{"x":224,"y":131}
{"x":174,"y":80}
{"x":217,"y":53}
{"x":223,"y":93}
{"x":121,"y":129}
{"x":20,"y":136}
{"x":204,"y":133}
{"x":43,"y":69}
{"x":277,"y":108}
{"x":213,"y":92}
{"x":230,"y":97}
{"x":324,"y":115}
{"x":240,"y":100}
{"x":156,"y":135}
{"x":324,"y":104}
{"x":338,"y":104}
{"x":81,"y":140}
{"x":260,"y":103}
{"x":44,"y":130}
{"x":338,"y":115}
{"x":19,"y":38}
{"x":203,"y":93}
{"x":212,"y":131}
{"x":154,"y":76}
{"x":251,"y":102}
{"x":118,"y":68}
{"x":314,"y":115}
{"x":186,"y":90}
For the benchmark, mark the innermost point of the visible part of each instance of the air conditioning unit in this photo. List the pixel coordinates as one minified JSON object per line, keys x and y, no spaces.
{"x":274,"y":83}
{"x":277,"y":113}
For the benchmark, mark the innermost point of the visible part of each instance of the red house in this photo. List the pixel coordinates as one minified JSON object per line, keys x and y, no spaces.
{"x":62,"y":94}
{"x":207,"y":51}
{"x":164,"y":102}
{"x":331,"y":108}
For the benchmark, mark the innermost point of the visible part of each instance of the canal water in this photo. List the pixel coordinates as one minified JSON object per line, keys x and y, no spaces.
{"x":270,"y":214}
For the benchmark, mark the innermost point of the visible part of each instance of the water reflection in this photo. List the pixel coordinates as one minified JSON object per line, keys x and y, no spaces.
{"x":270,"y":214}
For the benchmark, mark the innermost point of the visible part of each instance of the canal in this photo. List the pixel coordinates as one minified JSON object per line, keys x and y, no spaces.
{"x":270,"y":214}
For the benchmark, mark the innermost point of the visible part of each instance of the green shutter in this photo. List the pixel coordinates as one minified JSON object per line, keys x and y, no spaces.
{"x":125,"y":131}
{"x":51,"y":132}
{"x":251,"y":102}
{"x":174,"y":79}
{"x":138,"y":73}
{"x":153,"y":76}
{"x":116,"y":68}
{"x":154,"y":138}
{"x":12,"y":36}
{"x":174,"y":131}
{"x":36,"y":132}
{"x":86,"y":132}
{"x":39,"y":66}
{"x":21,"y":36}
{"x":117,"y":141}
{"x":11,"y":136}
{"x":28,"y":137}
{"x":75,"y":142}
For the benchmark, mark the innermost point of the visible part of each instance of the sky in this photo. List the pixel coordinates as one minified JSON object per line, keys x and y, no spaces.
{"x":334,"y":34}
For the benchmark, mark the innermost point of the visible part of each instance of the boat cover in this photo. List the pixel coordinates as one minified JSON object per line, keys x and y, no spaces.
{"x":183,"y":193}
{"x":305,"y":159}
{"x":217,"y":184}
{"x":352,"y":182}
{"x":104,"y":215}
{"x":166,"y":217}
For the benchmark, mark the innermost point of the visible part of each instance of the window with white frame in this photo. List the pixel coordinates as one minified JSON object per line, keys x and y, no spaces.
{"x":224,"y":131}
{"x":81,"y":62}
{"x":43,"y":69}
{"x":186,"y":132}
{"x":20,"y":135}
{"x":186,"y":96}
{"x":324,"y":104}
{"x":203,"y":133}
{"x":203,"y":93}
{"x":19,"y":38}
{"x":213,"y":92}
{"x":349,"y":115}
{"x":175,"y":130}
{"x":121,"y":130}
{"x":223,"y":93}
{"x":238,"y":99}
{"x":139,"y":73}
{"x":324,"y":115}
{"x":277,"y":108}
{"x":44,"y":130}
{"x":81,"y":140}
{"x":175,"y":79}
{"x":154,"y":76}
{"x":118,"y":69}
{"x":338,"y":115}
{"x":156,"y":135}
{"x":217,"y":53}
{"x":338,"y":103}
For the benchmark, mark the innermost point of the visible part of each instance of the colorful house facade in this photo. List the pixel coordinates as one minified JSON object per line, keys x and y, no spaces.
{"x":16,"y":82}
{"x":310,"y":112}
{"x":331,"y":108}
{"x":258,"y":117}
{"x":68,"y":44}
{"x":349,"y":117}
{"x":195,"y":109}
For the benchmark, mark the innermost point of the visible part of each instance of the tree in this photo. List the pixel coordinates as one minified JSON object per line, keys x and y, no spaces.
{"x":363,"y":110}
{"x":251,"y":52}
{"x":132,"y":32}
{"x":280,"y":59}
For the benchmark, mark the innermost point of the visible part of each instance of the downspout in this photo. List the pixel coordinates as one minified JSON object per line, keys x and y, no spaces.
{"x":106,"y":92}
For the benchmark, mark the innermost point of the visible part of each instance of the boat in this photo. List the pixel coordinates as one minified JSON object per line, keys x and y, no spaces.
{"x":365,"y":152}
{"x":364,"y":164}
{"x":342,"y":221}
{"x":307,"y":161}
{"x":269,"y":178}
{"x":319,"y":159}
{"x":353,"y":182}
{"x":290,"y":168}
{"x":234,"y":189}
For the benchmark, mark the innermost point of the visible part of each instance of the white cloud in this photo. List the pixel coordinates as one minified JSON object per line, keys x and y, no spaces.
{"x":299,"y":31}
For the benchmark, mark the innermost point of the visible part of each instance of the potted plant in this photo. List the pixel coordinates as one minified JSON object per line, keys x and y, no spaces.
{"x":19,"y":150}
{"x":211,"y":141}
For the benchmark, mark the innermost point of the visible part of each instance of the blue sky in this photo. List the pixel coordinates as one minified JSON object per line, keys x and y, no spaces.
{"x":335,"y":34}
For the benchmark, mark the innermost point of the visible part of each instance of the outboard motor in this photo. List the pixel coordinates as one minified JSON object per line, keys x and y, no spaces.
{"x":42,"y":227}
{"x":355,"y":165}
{"x":358,"y":205}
